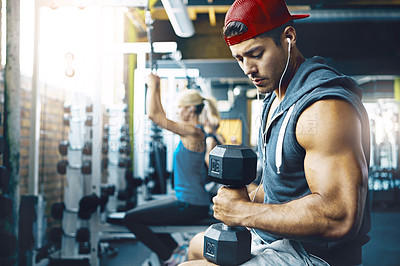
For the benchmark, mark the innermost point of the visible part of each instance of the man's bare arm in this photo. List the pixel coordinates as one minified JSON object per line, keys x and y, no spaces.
{"x":336,"y":172}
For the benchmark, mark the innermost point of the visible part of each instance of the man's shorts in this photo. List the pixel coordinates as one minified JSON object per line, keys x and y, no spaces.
{"x":281,"y":252}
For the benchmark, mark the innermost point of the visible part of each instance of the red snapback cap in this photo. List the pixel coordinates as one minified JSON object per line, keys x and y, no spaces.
{"x":259,"y":16}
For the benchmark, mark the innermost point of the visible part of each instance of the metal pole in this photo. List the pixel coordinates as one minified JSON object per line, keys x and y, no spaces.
{"x":35,"y":112}
{"x":96,"y":142}
{"x":12,"y":108}
{"x":149,"y":30}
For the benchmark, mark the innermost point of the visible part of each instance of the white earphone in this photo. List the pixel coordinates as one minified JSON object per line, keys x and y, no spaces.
{"x":289,"y":46}
{"x":287,"y":64}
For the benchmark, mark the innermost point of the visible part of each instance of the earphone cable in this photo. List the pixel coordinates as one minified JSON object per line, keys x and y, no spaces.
{"x":261,"y":114}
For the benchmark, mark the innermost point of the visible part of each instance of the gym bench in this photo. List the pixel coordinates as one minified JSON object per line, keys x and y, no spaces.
{"x":116,"y":224}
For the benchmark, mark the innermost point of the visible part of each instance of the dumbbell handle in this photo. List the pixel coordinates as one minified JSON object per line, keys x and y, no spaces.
{"x":225,"y":227}
{"x":231,"y":228}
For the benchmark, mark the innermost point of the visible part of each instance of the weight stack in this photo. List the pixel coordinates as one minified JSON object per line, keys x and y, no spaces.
{"x":119,"y":160}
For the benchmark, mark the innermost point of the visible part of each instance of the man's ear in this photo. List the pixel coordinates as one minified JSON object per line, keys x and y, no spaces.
{"x":290,"y":33}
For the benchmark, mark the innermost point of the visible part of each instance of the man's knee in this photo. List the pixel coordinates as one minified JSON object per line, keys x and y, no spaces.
{"x":196,"y":263}
{"x":196,"y":247}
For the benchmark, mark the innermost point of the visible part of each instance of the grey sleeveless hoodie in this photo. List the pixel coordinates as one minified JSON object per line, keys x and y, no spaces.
{"x":283,"y":176}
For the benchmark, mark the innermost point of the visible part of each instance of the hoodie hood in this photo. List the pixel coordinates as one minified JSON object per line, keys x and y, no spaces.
{"x":313,"y":73}
{"x":313,"y":81}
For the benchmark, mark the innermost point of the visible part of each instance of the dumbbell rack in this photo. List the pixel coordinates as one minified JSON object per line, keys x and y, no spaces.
{"x":78,"y":181}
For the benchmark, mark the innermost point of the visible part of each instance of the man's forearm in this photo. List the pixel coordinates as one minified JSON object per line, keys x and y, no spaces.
{"x":302,"y":219}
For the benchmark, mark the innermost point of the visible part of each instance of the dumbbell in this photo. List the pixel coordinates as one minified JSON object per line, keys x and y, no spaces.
{"x":66,"y":118}
{"x":57,"y":211}
{"x":83,"y":238}
{"x":89,"y":108}
{"x":86,"y":167}
{"x":62,"y":167}
{"x":87,"y":206}
{"x":89,"y":121}
{"x":124,"y":138}
{"x":87,"y":148}
{"x":67,"y":108}
{"x":124,"y":149}
{"x":82,"y":235}
{"x":124,"y":162}
{"x":233,"y":166}
{"x":109,"y":190}
{"x":103,"y":201}
{"x":125,"y":129}
{"x":63,"y":147}
{"x":105,"y":192}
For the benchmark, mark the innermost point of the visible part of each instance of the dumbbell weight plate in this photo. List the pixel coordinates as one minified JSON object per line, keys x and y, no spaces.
{"x":225,"y":245}
{"x":232,"y":165}
{"x":63,"y":147}
{"x":62,"y":167}
{"x":87,"y":148}
{"x":87,"y":206}
{"x":83,"y":235}
{"x":86,"y":168}
{"x":57,"y":210}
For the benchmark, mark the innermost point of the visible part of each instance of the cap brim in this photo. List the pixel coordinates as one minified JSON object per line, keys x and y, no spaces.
{"x":300,"y":16}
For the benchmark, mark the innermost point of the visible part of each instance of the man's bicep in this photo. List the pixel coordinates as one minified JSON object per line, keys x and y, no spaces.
{"x":335,"y":165}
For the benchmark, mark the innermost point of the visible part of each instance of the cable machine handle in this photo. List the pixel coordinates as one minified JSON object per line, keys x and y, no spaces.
{"x":149,"y":22}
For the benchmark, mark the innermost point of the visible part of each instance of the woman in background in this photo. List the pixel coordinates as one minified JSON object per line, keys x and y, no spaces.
{"x":191,"y":201}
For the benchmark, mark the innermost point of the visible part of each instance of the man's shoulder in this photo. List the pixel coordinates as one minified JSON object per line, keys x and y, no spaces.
{"x":327,"y":117}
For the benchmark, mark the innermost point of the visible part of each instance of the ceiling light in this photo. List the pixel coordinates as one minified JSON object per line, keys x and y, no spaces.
{"x":179,"y":17}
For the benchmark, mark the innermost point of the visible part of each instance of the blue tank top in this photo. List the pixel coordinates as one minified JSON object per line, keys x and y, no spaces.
{"x":190,"y":176}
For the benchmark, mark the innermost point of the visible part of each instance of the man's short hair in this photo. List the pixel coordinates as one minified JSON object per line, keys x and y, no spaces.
{"x":236,"y":27}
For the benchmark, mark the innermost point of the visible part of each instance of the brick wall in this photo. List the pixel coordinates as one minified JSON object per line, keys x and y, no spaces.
{"x":52,"y":131}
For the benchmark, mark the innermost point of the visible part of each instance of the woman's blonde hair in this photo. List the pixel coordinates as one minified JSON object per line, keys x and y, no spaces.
{"x":206,"y":107}
{"x":189,"y":98}
{"x":211,"y":114}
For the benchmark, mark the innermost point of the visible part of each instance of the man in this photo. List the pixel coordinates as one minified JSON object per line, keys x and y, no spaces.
{"x":314,"y":144}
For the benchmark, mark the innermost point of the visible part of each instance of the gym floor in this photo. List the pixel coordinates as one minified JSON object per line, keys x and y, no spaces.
{"x":383,"y":248}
